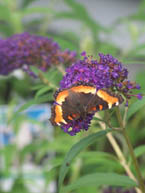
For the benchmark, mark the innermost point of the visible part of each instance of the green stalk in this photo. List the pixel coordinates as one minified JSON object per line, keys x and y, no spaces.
{"x":135,"y":162}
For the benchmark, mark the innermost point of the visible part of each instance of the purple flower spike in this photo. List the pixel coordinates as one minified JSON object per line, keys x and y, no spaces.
{"x":106,"y":73}
{"x":139,"y":96}
{"x":138,"y":86}
{"x":25,"y":49}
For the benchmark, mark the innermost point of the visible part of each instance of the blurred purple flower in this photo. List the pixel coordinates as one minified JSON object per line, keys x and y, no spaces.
{"x":139,"y":96}
{"x":83,"y":53}
{"x":23,"y":50}
{"x":137,"y":86}
{"x":105,"y":73}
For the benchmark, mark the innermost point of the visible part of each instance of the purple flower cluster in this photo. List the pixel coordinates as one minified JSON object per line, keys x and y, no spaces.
{"x":118,"y":190}
{"x":105,"y":73}
{"x":76,"y":126}
{"x":23,"y":50}
{"x":108,"y":73}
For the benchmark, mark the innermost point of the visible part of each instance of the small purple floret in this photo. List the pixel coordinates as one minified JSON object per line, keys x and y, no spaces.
{"x":138,"y":86}
{"x":139,"y":96}
{"x":83,"y":53}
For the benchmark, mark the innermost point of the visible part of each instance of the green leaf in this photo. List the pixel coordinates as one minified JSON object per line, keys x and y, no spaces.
{"x":141,"y":6}
{"x":43,"y":99}
{"x":80,"y":13}
{"x":49,"y":175}
{"x":135,"y":53}
{"x":75,"y":150}
{"x":78,"y":7}
{"x":4,"y":13}
{"x":135,"y":107}
{"x":139,"y":150}
{"x":44,"y":10}
{"x":9,"y":153}
{"x":98,"y":119}
{"x":108,"y":47}
{"x":137,"y":17}
{"x":53,"y":76}
{"x":34,"y":69}
{"x":32,"y":102}
{"x":42,"y":91}
{"x":102,"y":164}
{"x":106,"y":160}
{"x":65,"y":44}
{"x":140,"y":79}
{"x":138,"y":49}
{"x":19,"y":186}
{"x":6,"y":29}
{"x":67,"y":40}
{"x":37,"y":87}
{"x":31,"y":148}
{"x":96,"y":154}
{"x":26,"y":3}
{"x":99,"y":179}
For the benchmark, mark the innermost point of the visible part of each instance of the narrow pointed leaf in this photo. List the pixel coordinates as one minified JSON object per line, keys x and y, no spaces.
{"x":135,"y":107}
{"x":42,"y":91}
{"x":98,"y":179}
{"x":139,"y":151}
{"x":75,"y":150}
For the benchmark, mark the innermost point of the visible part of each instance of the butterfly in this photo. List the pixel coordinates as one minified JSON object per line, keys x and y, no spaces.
{"x":80,"y":100}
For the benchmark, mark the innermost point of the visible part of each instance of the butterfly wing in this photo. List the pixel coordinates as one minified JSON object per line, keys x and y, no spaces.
{"x":103,"y":100}
{"x":75,"y":105}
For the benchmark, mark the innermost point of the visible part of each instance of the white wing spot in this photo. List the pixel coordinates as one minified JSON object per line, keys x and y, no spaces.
{"x":117,"y":103}
{"x":110,"y":105}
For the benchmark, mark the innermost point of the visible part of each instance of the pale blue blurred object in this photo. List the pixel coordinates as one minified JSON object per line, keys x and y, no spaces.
{"x":40,"y":113}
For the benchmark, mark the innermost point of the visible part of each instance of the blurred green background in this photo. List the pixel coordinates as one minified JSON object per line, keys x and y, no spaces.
{"x":108,"y":26}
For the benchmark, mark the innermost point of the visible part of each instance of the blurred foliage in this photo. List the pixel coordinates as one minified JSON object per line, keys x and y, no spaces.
{"x":19,"y":16}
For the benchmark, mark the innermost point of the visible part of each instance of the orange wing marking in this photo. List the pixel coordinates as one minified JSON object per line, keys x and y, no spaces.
{"x":63,"y":94}
{"x":70,"y":118}
{"x":84,"y":89}
{"x":100,"y":107}
{"x":58,"y":115}
{"x":61,"y":97}
{"x":93,"y":109}
{"x":106,"y":97}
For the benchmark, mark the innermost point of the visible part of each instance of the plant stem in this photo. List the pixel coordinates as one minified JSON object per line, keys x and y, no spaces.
{"x":138,"y":173}
{"x":135,"y":162}
{"x":119,"y":153}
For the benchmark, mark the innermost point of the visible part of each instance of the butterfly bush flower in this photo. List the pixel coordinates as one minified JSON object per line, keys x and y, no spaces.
{"x":106,"y":73}
{"x":23,"y":50}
